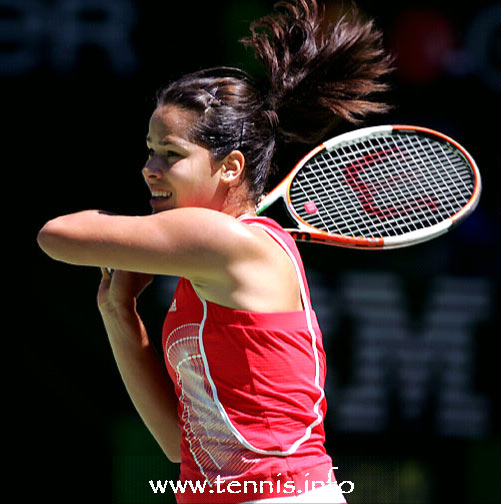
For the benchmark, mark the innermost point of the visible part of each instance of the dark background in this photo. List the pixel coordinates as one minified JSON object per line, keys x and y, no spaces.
{"x":411,"y":335}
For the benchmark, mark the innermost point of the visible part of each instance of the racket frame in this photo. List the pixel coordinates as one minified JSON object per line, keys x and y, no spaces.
{"x":307,"y":233}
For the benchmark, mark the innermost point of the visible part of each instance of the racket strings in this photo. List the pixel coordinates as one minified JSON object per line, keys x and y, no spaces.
{"x":382,"y":186}
{"x":388,"y":187}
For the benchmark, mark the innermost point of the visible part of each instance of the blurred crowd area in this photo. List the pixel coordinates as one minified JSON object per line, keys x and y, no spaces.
{"x":410,"y":334}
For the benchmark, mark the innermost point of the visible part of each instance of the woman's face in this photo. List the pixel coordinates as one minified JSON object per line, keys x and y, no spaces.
{"x":178,"y":172}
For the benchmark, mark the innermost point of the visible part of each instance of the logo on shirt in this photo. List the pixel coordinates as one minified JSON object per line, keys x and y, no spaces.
{"x":173,"y":306}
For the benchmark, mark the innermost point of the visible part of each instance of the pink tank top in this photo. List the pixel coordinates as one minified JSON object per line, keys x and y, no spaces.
{"x":250,"y":389}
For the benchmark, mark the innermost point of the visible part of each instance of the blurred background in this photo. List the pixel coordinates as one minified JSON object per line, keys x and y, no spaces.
{"x":411,"y":335}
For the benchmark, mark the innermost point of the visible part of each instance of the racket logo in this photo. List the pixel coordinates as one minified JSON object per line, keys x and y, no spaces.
{"x":367,"y":193}
{"x":310,"y":207}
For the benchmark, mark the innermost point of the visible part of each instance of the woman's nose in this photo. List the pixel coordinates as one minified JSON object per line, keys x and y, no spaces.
{"x":151,"y":170}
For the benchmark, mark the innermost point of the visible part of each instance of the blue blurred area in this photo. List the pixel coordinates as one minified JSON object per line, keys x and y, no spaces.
{"x":414,"y":410}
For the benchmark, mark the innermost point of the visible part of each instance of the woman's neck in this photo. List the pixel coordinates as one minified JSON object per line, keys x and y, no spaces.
{"x":238,"y":203}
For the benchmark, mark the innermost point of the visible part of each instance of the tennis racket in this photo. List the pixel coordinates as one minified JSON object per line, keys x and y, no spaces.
{"x":378,"y":188}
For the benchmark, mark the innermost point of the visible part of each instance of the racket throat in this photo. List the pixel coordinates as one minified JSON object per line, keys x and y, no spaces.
{"x":277,"y":210}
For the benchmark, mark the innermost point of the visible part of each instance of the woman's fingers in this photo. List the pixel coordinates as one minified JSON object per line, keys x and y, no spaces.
{"x":106,"y":273}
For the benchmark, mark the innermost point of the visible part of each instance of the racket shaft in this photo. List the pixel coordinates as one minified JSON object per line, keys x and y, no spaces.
{"x":279,"y":192}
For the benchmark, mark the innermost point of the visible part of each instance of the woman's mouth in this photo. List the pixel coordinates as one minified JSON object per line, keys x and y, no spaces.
{"x":158,"y":200}
{"x":160,"y":195}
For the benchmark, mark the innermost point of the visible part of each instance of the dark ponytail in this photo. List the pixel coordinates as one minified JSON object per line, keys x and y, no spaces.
{"x":319,"y":74}
{"x":315,"y":77}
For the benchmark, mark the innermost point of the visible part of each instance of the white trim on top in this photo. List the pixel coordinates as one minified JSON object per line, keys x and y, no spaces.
{"x":316,"y":407}
{"x":350,"y":136}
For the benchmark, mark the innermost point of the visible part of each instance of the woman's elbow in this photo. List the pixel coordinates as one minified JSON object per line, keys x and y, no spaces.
{"x":53,"y":240}
{"x":46,"y":238}
{"x":174,"y":458}
{"x":173,"y":453}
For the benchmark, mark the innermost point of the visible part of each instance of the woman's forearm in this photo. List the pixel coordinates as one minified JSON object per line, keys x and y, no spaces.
{"x":145,"y":378}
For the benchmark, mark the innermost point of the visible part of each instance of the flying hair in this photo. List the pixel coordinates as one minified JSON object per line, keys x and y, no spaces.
{"x":318,"y":73}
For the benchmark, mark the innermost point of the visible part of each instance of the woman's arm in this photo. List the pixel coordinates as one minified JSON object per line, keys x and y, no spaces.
{"x":143,"y":374}
{"x":228,"y":262}
{"x":195,"y":243}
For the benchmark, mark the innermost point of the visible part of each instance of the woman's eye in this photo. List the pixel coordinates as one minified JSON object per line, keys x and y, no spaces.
{"x":169,"y":155}
{"x":172,"y":155}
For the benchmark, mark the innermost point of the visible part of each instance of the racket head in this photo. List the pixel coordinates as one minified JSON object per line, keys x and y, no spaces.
{"x":381,"y":187}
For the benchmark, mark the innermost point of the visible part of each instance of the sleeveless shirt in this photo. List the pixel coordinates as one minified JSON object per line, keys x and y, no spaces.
{"x":250,"y":393}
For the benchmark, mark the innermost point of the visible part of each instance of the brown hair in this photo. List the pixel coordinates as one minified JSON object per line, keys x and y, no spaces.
{"x":316,"y":75}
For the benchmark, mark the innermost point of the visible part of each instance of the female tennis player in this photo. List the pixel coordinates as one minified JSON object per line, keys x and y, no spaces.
{"x":238,"y":398}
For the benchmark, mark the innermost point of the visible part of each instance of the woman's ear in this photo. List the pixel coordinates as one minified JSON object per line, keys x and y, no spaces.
{"x":232,"y":167}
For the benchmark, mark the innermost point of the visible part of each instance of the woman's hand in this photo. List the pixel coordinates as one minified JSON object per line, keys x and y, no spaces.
{"x":120,"y":289}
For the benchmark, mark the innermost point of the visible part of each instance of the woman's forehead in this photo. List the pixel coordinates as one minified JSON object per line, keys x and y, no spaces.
{"x":172,"y":120}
